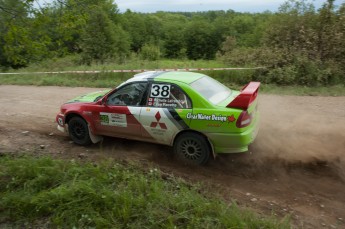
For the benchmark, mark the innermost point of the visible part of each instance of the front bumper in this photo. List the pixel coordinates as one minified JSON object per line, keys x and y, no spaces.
{"x":63,"y":127}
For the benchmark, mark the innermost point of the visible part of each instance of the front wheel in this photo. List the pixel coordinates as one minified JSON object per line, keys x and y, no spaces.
{"x":79,"y":131}
{"x":192,"y":148}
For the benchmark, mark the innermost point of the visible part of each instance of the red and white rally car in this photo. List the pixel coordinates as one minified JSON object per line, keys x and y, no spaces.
{"x":192,"y":112}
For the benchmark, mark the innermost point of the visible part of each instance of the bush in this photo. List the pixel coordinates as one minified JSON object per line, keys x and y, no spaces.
{"x":286,"y":68}
{"x":282,"y":76}
{"x":150,"y":52}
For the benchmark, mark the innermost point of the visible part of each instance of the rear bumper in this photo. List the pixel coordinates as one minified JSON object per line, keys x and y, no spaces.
{"x":234,"y":142}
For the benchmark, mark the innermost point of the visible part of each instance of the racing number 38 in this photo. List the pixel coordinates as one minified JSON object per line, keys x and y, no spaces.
{"x":160,"y":91}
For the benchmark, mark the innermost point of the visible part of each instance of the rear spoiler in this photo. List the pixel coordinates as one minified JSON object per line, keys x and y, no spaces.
{"x":246,"y":97}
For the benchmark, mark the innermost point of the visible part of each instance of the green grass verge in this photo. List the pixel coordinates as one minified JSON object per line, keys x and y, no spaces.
{"x":71,"y":63}
{"x":233,"y":79}
{"x":69,"y":80}
{"x":336,"y":90}
{"x":45,"y":192}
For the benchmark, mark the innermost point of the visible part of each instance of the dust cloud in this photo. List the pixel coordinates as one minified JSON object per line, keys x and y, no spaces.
{"x":300,"y":131}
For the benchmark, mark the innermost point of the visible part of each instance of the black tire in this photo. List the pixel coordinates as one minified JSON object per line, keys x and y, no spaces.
{"x":192,"y":148}
{"x":79,"y":131}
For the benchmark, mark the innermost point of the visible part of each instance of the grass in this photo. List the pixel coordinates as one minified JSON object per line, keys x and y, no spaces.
{"x":233,"y":78}
{"x":71,"y":63}
{"x":336,"y":90}
{"x":45,"y":192}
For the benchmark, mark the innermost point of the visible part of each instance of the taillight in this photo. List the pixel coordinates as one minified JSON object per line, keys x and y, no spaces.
{"x":244,"y":120}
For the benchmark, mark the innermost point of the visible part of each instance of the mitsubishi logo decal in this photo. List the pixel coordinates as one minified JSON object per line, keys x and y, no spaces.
{"x":154,"y":124}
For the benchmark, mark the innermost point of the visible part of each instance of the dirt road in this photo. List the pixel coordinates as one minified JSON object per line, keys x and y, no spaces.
{"x":296,"y":166}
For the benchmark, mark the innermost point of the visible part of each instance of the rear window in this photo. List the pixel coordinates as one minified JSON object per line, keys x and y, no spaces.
{"x":211,"y":89}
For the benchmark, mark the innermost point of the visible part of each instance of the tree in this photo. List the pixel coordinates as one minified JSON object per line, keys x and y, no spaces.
{"x":134,"y":25}
{"x":102,"y":39}
{"x":142,"y":28}
{"x":201,"y":40}
{"x":173,"y":35}
{"x":19,"y":43}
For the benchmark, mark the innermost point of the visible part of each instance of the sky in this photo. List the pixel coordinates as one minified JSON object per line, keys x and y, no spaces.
{"x":252,"y":6}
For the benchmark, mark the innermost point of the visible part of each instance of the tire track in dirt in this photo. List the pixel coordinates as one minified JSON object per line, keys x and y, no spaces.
{"x":296,"y":166}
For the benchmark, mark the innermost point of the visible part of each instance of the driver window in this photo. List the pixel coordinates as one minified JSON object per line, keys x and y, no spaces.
{"x":129,"y":95}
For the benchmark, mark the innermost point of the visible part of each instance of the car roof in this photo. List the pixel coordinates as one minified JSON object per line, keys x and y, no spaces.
{"x":185,"y":77}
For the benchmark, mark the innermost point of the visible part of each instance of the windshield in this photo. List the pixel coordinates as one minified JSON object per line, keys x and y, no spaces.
{"x":211,"y":89}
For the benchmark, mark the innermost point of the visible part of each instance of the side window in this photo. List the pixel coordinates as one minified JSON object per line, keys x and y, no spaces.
{"x":167,"y":95}
{"x":129,"y":95}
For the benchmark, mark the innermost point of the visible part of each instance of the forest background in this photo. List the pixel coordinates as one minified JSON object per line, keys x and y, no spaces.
{"x":298,"y":45}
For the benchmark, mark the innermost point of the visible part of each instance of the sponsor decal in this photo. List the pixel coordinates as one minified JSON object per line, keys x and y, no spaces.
{"x":157,"y":123}
{"x":212,"y":117}
{"x":231,"y":118}
{"x":213,"y":124}
{"x":162,"y":124}
{"x":104,"y":119}
{"x":150,"y":102}
{"x":113,"y":119}
{"x":166,"y":103}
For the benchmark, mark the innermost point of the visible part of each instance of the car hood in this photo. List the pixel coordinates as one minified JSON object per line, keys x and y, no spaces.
{"x":90,"y":97}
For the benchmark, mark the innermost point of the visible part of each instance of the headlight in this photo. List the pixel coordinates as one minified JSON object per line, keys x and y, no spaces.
{"x":60,"y":121}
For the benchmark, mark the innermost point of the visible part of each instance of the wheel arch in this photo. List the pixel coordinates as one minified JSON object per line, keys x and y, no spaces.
{"x":71,"y":115}
{"x":94,"y":138}
{"x":75,"y":114}
{"x":209,"y":143}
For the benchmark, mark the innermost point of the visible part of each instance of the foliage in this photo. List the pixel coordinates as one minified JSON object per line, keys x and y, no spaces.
{"x":150,"y":52}
{"x":201,"y":40}
{"x":174,"y":45}
{"x":101,"y":39}
{"x":16,"y":47}
{"x":298,"y":45}
{"x":72,"y":62}
{"x":57,"y":193}
{"x":235,"y":79}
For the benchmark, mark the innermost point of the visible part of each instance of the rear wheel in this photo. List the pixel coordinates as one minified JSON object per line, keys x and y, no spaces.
{"x":192,"y":148}
{"x":79,"y":131}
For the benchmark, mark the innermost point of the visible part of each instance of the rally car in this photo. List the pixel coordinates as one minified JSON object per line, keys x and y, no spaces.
{"x":197,"y":115}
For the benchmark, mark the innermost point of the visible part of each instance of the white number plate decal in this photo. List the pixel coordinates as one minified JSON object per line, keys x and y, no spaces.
{"x":160,"y":91}
{"x":113,"y":119}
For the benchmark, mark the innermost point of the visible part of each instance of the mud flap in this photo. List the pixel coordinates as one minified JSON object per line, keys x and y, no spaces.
{"x":62,"y":129}
{"x":94,"y":138}
{"x":212,"y":148}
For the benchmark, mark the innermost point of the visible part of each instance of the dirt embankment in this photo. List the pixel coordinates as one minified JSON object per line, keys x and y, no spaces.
{"x":296,"y":166}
